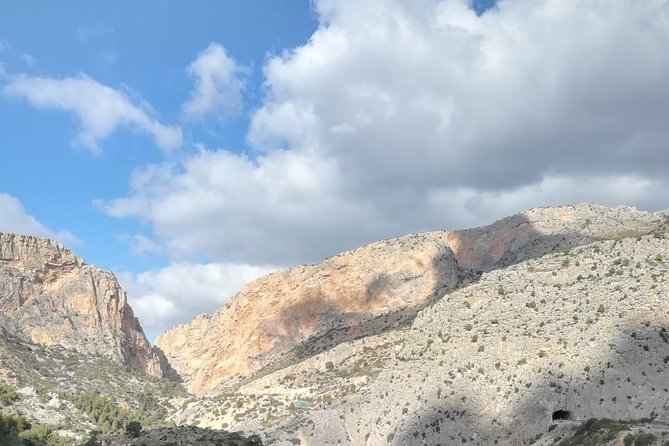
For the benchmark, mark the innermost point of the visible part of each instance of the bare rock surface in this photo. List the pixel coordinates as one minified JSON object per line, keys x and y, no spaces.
{"x":293,"y":314}
{"x":49,"y":296}
{"x":583,"y":334}
{"x":511,"y":334}
{"x":524,"y":354}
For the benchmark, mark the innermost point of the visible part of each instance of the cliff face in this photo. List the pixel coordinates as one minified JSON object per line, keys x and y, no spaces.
{"x":51,"y":297}
{"x":290,"y":315}
{"x":584,"y":334}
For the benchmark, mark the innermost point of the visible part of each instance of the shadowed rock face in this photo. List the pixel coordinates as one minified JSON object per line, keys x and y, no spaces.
{"x":51,"y":297}
{"x":311,"y":308}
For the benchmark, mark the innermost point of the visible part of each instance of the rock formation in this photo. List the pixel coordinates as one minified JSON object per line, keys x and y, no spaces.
{"x":521,"y":356}
{"x":513,"y":333}
{"x":567,"y":336}
{"x":49,"y":296}
{"x":288,"y":316}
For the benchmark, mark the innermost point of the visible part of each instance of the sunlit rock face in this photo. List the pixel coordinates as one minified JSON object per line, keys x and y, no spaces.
{"x":51,"y":297}
{"x":289,"y":315}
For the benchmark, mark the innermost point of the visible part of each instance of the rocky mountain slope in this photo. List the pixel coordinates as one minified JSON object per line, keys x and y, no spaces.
{"x":510,"y":334}
{"x":72,"y":393}
{"x":49,"y":296}
{"x":290,"y":315}
{"x":578,"y":334}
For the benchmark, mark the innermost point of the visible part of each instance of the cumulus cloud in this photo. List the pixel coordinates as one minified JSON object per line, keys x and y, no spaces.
{"x":403,"y":116}
{"x":218,"y":84}
{"x":172,"y":295}
{"x":399,"y":117}
{"x":15,"y":219}
{"x":427,"y":94}
{"x":141,"y":244}
{"x":282,"y":208}
{"x":100,"y":108}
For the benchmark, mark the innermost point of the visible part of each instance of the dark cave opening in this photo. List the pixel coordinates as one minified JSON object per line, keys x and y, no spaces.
{"x":560,"y":415}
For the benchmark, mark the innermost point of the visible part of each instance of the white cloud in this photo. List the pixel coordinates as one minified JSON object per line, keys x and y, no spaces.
{"x":400,"y":117}
{"x":174,"y":294}
{"x":427,"y":94}
{"x":218,"y":84}
{"x":282,"y":208}
{"x":141,"y":244}
{"x":100,"y":108}
{"x":15,"y":219}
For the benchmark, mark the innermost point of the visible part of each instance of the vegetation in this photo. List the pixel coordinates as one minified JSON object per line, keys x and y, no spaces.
{"x":595,"y":432}
{"x":18,"y":431}
{"x":133,"y":428}
{"x":640,"y":439}
{"x":7,"y":394}
{"x":110,"y":417}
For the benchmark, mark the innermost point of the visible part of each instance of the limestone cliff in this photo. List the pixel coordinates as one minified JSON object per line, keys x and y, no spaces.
{"x":49,"y":296}
{"x":576,"y":335}
{"x":521,"y":356}
{"x":290,"y":315}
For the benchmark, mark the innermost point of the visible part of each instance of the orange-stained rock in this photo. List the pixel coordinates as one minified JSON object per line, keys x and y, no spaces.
{"x":294,"y":313}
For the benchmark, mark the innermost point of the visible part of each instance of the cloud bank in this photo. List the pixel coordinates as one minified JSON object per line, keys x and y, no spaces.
{"x":398,"y":117}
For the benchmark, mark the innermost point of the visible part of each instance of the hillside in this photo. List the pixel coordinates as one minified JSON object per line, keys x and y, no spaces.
{"x":511,"y":334}
{"x":583,"y":331}
{"x":290,"y":315}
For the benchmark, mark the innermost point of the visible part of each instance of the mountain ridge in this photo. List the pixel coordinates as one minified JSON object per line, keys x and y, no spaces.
{"x":349,"y":289}
{"x":490,"y":335}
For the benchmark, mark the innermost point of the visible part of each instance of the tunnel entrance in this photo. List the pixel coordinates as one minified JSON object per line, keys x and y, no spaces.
{"x":561,"y":415}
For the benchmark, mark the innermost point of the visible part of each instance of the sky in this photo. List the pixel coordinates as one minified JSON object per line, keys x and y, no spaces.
{"x":191,"y":147}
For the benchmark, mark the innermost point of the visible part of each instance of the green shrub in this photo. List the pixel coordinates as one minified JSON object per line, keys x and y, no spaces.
{"x":133,"y":428}
{"x":7,"y":394}
{"x":644,"y":439}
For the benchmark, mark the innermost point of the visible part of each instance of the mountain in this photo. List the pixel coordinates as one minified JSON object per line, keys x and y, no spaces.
{"x":523,"y":354}
{"x":540,"y":329}
{"x":292,"y":314}
{"x":50,"y":297}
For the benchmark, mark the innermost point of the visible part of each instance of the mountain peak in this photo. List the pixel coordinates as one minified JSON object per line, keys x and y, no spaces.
{"x":50,"y":296}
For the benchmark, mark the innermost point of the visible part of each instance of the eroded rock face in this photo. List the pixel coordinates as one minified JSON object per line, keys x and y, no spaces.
{"x":51,"y":297}
{"x":276,"y":313}
{"x":579,"y":335}
{"x":292,"y":314}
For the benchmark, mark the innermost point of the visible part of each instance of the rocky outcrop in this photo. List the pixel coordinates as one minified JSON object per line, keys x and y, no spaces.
{"x":522,"y":356}
{"x":567,"y":336}
{"x":292,"y":314}
{"x":49,"y":296}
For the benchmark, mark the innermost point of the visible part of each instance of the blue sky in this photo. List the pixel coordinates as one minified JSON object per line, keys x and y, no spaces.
{"x":145,"y":46}
{"x":191,"y":147}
